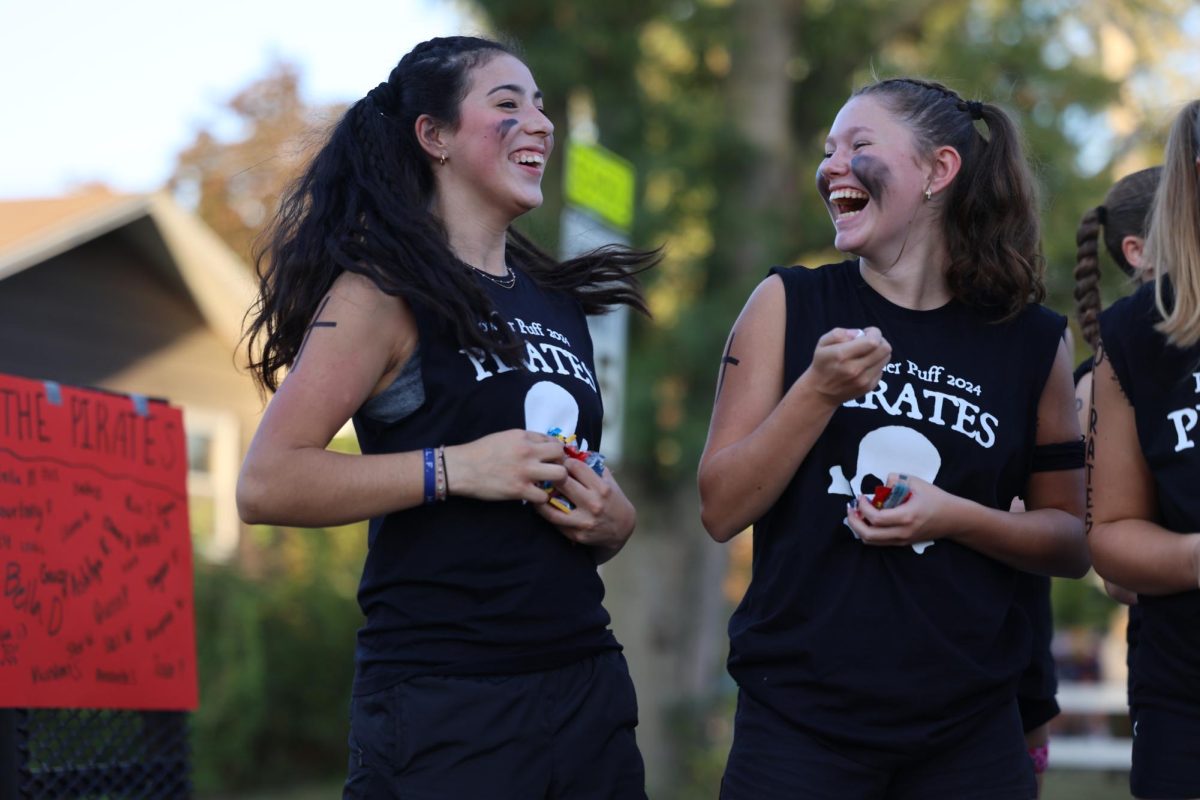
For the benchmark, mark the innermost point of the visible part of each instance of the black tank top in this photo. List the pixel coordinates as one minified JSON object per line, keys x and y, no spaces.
{"x":884,"y":647}
{"x":473,"y":587}
{"x":1162,"y":383}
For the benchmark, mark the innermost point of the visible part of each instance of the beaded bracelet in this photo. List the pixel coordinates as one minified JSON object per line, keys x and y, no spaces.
{"x":443,"y":485}
{"x":430,"y":476}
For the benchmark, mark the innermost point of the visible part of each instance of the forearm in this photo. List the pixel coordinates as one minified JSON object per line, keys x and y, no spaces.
{"x":1145,"y":557}
{"x":313,"y":487}
{"x":740,"y":482}
{"x":1048,"y":541}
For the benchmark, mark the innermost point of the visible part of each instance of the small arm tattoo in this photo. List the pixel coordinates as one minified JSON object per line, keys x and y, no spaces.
{"x":727,"y":361}
{"x":316,"y":323}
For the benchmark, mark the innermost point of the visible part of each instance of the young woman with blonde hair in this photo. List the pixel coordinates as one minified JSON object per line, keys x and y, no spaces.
{"x":1143,"y":468}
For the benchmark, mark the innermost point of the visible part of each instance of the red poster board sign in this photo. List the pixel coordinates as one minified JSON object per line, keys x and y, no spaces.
{"x":95,"y":553}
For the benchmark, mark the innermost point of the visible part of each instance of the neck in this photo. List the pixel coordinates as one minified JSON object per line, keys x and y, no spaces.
{"x":914,"y":278}
{"x":477,"y":237}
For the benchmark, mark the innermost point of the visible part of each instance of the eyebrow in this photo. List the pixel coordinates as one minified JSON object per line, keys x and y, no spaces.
{"x":512,"y":87}
{"x":851,"y":132}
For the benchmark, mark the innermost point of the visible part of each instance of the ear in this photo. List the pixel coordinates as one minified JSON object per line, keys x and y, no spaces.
{"x":1132,"y":249}
{"x":944,"y":167}
{"x":432,"y":136}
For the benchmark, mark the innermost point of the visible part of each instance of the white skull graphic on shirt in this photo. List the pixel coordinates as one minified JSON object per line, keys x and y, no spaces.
{"x":549,"y":406}
{"x":893,"y":448}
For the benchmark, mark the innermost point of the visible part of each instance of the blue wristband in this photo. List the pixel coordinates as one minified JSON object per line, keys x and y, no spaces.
{"x":430,"y":477}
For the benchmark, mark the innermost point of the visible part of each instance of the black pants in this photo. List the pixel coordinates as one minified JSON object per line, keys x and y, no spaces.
{"x":772,"y":759}
{"x":564,"y":733}
{"x":1166,"y":753}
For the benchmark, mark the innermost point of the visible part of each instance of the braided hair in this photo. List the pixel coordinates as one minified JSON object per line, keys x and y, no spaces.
{"x":1125,"y":212}
{"x":990,"y":225}
{"x":363,"y":206}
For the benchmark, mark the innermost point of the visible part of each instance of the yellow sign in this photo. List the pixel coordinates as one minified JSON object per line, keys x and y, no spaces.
{"x":602,"y":182}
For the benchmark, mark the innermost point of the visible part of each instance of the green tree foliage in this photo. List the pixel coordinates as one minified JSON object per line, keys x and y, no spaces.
{"x":235,"y":171}
{"x":275,"y":659}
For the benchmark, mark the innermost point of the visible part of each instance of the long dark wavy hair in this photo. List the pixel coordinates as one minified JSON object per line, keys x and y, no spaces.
{"x":363,"y":206}
{"x":990,"y":223}
{"x":1125,"y":212}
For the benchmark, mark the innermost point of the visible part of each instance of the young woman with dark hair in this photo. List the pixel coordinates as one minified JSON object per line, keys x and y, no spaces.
{"x":877,"y":649}
{"x":1122,"y":218}
{"x":395,"y":293}
{"x":1121,"y":221}
{"x":1144,"y":517}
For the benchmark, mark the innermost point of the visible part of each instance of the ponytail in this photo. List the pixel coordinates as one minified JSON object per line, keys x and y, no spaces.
{"x":1087,"y":276}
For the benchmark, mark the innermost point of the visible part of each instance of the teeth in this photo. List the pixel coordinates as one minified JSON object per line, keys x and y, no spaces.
{"x":847,"y":194}
{"x":529,"y":158}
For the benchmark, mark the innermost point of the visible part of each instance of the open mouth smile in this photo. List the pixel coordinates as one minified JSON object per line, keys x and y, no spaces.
{"x":848,"y":202}
{"x":529,"y":159}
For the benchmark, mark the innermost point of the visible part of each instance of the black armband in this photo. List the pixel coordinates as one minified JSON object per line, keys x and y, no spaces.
{"x":1057,"y":456}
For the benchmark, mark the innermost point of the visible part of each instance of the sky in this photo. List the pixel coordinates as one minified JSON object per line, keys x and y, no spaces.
{"x":112,"y":91}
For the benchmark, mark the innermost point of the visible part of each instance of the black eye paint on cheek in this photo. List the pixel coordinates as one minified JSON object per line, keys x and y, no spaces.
{"x":873,"y":174}
{"x":505,"y":127}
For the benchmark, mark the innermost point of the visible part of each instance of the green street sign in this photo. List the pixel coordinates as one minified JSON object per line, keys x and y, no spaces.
{"x":600,"y":181}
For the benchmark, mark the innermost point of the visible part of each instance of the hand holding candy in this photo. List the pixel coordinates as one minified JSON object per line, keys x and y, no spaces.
{"x":593,"y":460}
{"x":880,"y":520}
{"x":890,"y":496}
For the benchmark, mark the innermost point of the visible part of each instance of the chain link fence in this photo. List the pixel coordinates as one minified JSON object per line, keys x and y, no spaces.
{"x":94,"y":754}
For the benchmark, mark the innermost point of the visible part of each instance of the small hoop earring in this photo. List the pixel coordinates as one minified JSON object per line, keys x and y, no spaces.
{"x":928,"y":194}
{"x":443,"y":160}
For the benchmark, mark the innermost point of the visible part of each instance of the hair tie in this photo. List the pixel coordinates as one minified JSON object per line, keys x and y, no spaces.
{"x":383,"y":96}
{"x":972,"y":107}
{"x":1102,"y":215}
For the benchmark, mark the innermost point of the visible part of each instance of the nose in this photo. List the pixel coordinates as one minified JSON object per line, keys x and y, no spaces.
{"x":539,"y":124}
{"x":834,"y":164}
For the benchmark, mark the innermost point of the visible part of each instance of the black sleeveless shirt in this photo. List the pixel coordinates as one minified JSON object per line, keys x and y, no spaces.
{"x":885,"y":647}
{"x":473,"y":587}
{"x":1162,"y":383}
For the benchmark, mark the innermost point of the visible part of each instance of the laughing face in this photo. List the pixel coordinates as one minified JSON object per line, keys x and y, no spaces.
{"x":498,"y":152}
{"x":872,"y":180}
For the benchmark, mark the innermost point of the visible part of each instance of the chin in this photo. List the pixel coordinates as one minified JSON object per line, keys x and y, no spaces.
{"x":848,"y":244}
{"x":526,"y":204}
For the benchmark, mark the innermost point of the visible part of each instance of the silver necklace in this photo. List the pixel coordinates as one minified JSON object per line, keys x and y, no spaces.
{"x":507,"y":281}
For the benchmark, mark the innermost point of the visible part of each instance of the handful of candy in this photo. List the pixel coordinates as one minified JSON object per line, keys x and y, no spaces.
{"x":593,"y":460}
{"x":890,"y":496}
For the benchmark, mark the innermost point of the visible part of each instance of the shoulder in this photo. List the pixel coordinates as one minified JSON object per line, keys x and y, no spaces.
{"x":790,"y":286}
{"x":1037,"y":317}
{"x":1136,"y":310}
{"x":1034,"y":329}
{"x":807,"y":277}
{"x":1127,"y":327}
{"x":1034,"y":337}
{"x":814,"y":291}
{"x":357,"y":304}
{"x":358,"y":291}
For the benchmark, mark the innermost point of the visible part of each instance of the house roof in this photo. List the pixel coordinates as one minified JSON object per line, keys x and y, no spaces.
{"x":36,"y":230}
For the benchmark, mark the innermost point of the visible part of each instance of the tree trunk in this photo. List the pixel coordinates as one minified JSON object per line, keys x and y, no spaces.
{"x":760,"y":96}
{"x":664,"y":595}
